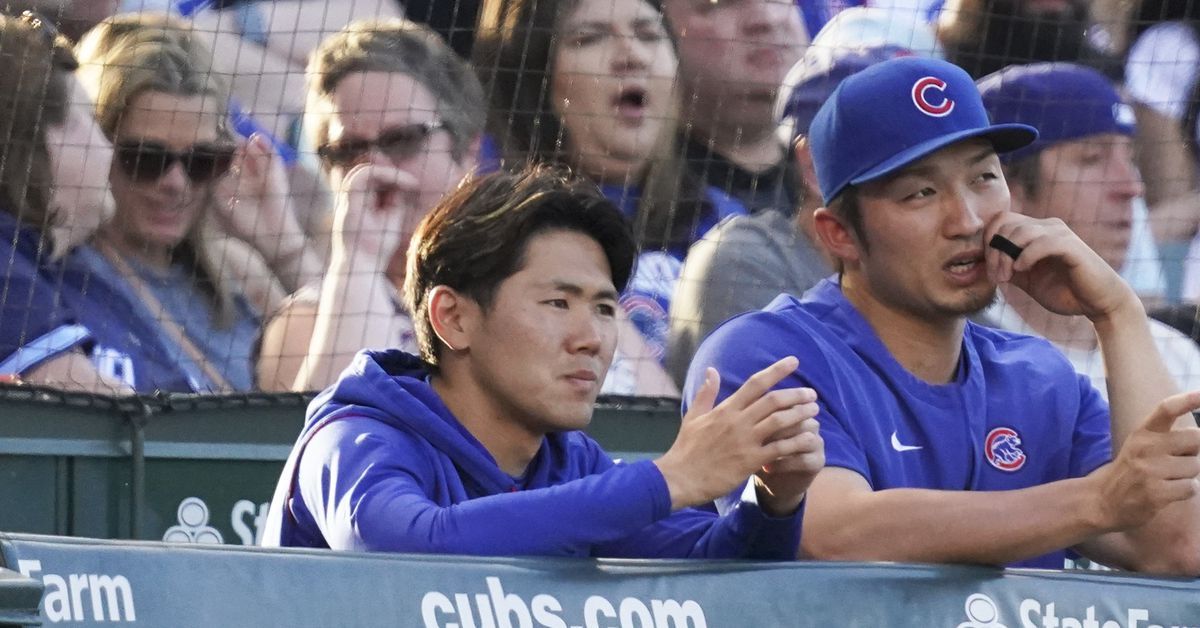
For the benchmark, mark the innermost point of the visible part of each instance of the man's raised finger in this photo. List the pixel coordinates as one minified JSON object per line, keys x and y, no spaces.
{"x":761,"y":382}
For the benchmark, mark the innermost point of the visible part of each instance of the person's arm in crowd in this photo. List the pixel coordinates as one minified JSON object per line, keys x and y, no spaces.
{"x":366,"y":490}
{"x":357,"y":307}
{"x":254,"y":205}
{"x":1169,"y":168}
{"x":73,"y":371}
{"x":294,"y":28}
{"x":1138,"y":511}
{"x":268,"y":84}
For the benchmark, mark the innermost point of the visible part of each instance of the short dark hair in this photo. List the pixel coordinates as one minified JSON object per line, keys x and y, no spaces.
{"x":477,"y":236}
{"x":1025,"y":172}
{"x":846,"y":207}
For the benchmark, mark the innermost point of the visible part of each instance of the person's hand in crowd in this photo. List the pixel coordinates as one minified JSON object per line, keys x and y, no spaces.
{"x":719,"y":447}
{"x":1156,"y":467}
{"x":254,"y":202}
{"x":374,"y":214}
{"x":1056,"y":268}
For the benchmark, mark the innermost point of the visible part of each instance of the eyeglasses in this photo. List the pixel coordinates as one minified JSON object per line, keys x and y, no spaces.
{"x":397,"y":144}
{"x":146,"y":162}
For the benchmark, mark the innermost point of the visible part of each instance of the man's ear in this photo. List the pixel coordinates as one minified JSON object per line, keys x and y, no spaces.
{"x":453,"y":317}
{"x":837,"y":237}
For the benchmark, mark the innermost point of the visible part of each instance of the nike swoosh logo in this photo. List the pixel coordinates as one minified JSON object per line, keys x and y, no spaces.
{"x":898,"y":446}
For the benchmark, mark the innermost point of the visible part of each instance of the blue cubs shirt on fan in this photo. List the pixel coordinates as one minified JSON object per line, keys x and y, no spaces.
{"x":1016,"y":416}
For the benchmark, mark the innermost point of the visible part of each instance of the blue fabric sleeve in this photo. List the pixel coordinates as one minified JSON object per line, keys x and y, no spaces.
{"x":369,"y":489}
{"x":1091,"y":445}
{"x":373,"y":489}
{"x":34,"y":324}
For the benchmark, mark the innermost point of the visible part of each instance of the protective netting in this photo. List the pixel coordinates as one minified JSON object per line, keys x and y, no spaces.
{"x":217,"y":196}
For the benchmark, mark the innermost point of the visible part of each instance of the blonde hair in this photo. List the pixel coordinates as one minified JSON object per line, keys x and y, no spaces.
{"x":127,"y":55}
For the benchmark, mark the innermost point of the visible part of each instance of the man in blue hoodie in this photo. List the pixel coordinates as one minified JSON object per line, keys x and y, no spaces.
{"x":474,"y":447}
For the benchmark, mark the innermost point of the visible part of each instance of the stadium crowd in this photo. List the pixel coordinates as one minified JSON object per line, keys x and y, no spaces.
{"x":243,"y":195}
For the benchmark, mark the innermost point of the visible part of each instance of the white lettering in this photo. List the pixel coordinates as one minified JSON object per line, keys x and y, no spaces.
{"x":545,"y":611}
{"x":672,"y":614}
{"x":79,"y":584}
{"x":486,"y":618}
{"x":431,"y":604}
{"x":631,"y":606}
{"x":593,"y":607}
{"x":508,"y":605}
{"x":1029,"y":607}
{"x":237,"y":520}
{"x":57,"y":598}
{"x":109,"y":586}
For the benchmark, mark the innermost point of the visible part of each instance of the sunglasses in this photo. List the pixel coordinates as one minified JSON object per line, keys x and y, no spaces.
{"x":397,"y":144}
{"x":146,"y":162}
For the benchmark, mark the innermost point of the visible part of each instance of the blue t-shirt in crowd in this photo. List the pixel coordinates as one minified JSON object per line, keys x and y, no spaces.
{"x":647,"y":298}
{"x":48,"y":307}
{"x":1017,"y":414}
{"x":228,"y":349}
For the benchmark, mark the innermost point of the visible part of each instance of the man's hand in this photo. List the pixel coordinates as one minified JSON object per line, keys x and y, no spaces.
{"x":375,"y":212}
{"x":781,"y":484}
{"x":1156,"y":467}
{"x":718,"y":448}
{"x":1056,"y":268}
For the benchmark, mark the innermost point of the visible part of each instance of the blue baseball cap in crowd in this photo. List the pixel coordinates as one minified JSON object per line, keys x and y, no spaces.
{"x":1064,"y":101}
{"x":814,"y":77}
{"x":895,"y":113}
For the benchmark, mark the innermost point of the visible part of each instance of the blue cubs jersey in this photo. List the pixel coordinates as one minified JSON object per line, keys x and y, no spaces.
{"x":1017,"y":415}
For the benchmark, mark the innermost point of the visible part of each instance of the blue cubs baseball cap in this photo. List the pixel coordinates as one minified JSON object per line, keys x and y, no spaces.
{"x":1064,"y":101}
{"x":895,"y":113}
{"x":814,"y":77}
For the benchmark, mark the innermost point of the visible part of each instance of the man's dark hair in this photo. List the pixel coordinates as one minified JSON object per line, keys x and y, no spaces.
{"x":477,"y":237}
{"x":1027,"y":173}
{"x":846,"y":207}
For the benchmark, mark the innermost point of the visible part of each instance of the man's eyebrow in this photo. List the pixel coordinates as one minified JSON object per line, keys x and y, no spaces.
{"x":576,"y":290}
{"x":925,"y":169}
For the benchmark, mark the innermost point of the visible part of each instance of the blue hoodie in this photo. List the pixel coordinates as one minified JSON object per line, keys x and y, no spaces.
{"x":383,"y":465}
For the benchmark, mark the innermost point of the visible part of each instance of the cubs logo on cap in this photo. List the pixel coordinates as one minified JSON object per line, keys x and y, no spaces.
{"x":920,"y":96}
{"x":1003,"y":449}
{"x":895,"y":113}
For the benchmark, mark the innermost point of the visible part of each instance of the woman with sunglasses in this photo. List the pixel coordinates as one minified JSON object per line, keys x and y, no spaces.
{"x":591,"y":85}
{"x":165,"y":111}
{"x":60,"y":325}
{"x":396,"y":118}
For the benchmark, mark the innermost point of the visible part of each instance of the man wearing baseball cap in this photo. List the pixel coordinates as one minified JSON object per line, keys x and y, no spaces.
{"x":1081,"y":170}
{"x":947,"y":441}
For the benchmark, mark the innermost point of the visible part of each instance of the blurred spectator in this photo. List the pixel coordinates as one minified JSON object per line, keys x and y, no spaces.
{"x":396,"y":117}
{"x":59,"y":325}
{"x":72,"y":18}
{"x":454,"y":20}
{"x":983,"y":36}
{"x":610,"y":113}
{"x":1161,"y":77}
{"x":1080,"y":170}
{"x":160,"y":103}
{"x":733,"y":56}
{"x":749,"y":260}
{"x":873,"y":27}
